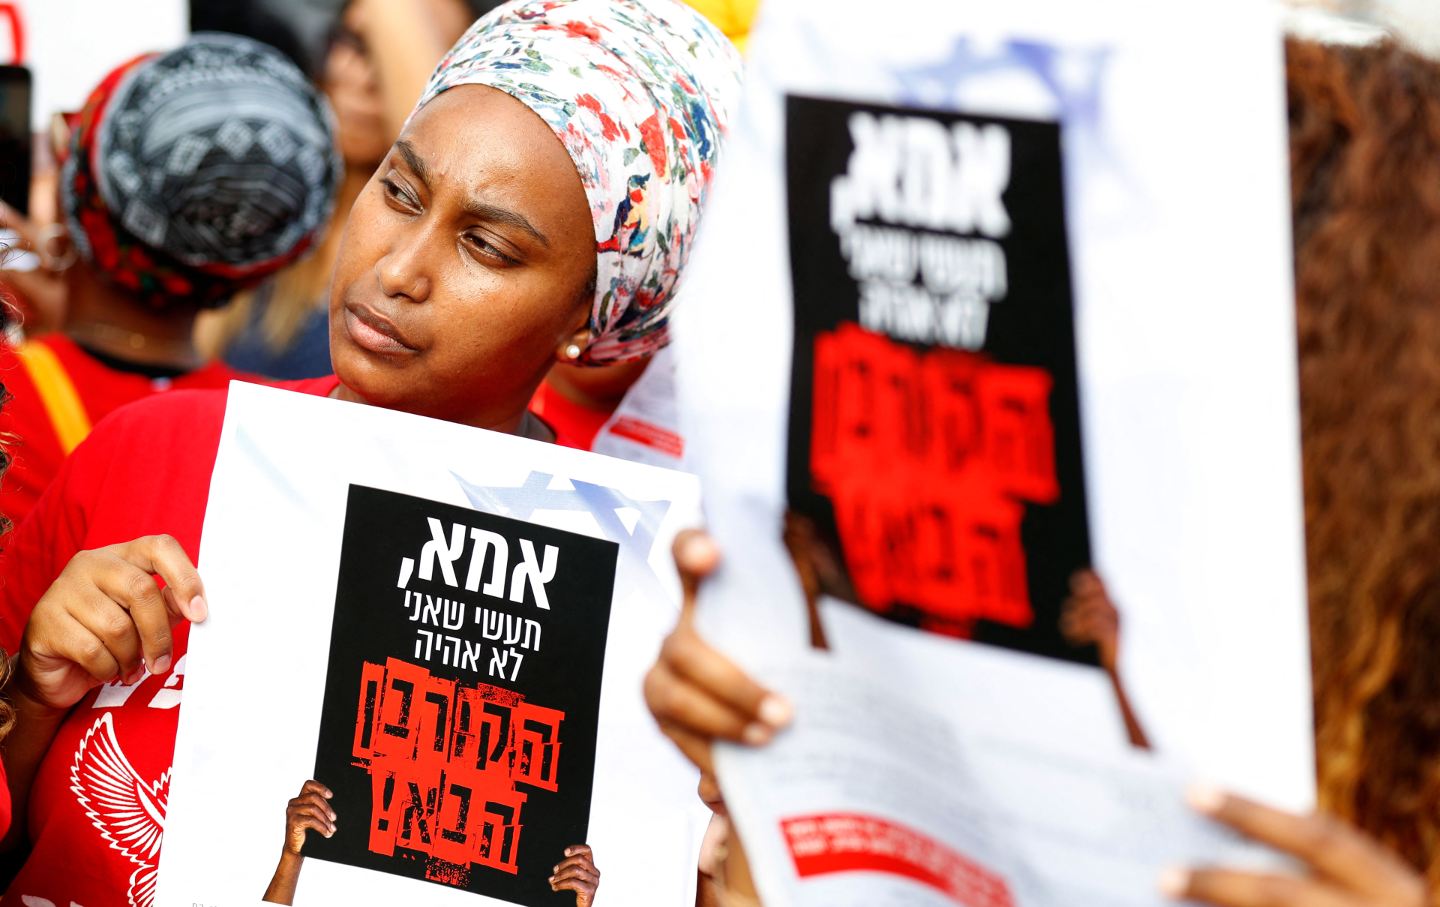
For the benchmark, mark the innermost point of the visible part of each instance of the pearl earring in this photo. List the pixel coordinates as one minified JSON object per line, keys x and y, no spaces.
{"x":572,"y":351}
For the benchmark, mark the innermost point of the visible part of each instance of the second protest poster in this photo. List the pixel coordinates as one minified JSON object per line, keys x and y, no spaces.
{"x":1011,"y":311}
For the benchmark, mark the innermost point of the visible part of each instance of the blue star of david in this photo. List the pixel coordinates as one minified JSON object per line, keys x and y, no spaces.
{"x":601,"y":502}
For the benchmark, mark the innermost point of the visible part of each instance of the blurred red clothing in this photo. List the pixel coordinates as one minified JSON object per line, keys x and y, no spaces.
{"x":574,"y":425}
{"x":29,"y":433}
{"x":97,"y":804}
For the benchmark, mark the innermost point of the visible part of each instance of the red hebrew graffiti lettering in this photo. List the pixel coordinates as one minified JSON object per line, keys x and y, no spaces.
{"x":537,"y":744}
{"x":929,"y":459}
{"x":444,"y":761}
{"x":821,"y":845}
{"x":954,"y":410}
{"x":1019,"y":443}
{"x":500,"y":831}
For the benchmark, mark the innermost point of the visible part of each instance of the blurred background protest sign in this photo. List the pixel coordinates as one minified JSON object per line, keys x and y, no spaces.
{"x":1175,"y":205}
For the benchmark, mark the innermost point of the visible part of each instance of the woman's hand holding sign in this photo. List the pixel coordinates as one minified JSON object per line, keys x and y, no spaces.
{"x":106,"y":618}
{"x":697,"y":694}
{"x":1343,"y":867}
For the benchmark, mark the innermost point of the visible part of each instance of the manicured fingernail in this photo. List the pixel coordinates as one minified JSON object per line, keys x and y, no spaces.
{"x":199,"y":610}
{"x":1205,"y":799}
{"x":160,"y":665}
{"x":1174,"y":882}
{"x":756,"y":734}
{"x":329,"y":793}
{"x":776,"y":711}
{"x":330,"y":833}
{"x":570,"y":851}
{"x":554,"y":869}
{"x":333,"y":817}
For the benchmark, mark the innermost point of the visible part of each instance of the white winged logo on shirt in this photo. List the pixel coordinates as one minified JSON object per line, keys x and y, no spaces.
{"x":127,"y":813}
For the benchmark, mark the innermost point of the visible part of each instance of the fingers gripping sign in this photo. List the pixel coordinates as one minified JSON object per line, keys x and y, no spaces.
{"x":108,"y":617}
{"x":577,"y":873}
{"x":1341,"y":866}
{"x":1089,"y":617}
{"x":695,"y":693}
{"x":311,"y":811}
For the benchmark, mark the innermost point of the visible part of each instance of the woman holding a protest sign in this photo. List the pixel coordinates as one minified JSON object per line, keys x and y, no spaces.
{"x":538,"y":208}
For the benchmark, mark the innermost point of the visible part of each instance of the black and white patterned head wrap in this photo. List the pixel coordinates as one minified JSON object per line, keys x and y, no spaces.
{"x":198,"y":172}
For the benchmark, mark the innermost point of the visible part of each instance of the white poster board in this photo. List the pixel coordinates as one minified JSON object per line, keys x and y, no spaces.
{"x":1014,"y":783}
{"x":1176,"y":210}
{"x":71,"y":44}
{"x":283,"y":517}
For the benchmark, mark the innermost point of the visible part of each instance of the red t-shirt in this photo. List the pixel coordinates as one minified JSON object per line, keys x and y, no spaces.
{"x":97,"y":806}
{"x":574,"y":425}
{"x":29,"y":435}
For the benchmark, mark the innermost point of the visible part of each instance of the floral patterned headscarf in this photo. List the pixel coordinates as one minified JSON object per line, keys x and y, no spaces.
{"x":639,"y":92}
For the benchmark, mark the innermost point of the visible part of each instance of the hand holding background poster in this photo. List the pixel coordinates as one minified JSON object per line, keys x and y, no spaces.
{"x":990,"y":350}
{"x":445,"y":628}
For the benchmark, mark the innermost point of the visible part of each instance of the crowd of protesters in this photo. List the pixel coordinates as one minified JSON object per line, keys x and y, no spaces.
{"x":466,"y":242}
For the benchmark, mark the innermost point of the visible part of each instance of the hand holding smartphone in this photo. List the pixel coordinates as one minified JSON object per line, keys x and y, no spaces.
{"x":15,"y":140}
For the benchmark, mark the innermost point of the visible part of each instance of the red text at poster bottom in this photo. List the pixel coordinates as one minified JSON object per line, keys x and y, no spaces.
{"x":839,"y":842}
{"x":445,"y":759}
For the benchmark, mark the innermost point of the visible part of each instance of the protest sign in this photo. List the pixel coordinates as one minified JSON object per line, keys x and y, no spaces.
{"x":893,"y":192}
{"x":1002,"y":319}
{"x":446,"y":627}
{"x":943,"y":800}
{"x":933,"y":395}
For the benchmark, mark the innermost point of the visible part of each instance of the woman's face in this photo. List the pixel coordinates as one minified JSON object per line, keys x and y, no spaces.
{"x":466,"y":264}
{"x":352,"y":86}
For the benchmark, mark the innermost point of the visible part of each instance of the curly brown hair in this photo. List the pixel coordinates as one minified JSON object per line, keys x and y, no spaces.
{"x":1365,"y":171}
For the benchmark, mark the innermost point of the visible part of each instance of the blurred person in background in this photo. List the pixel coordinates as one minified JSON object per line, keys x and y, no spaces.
{"x":1365,"y":171}
{"x":524,"y":218}
{"x":1365,"y":161}
{"x":379,"y":56}
{"x":7,"y":713}
{"x":187,"y":177}
{"x":733,"y":17}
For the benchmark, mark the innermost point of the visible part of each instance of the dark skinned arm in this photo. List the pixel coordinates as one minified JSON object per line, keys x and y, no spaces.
{"x":308,"y":812}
